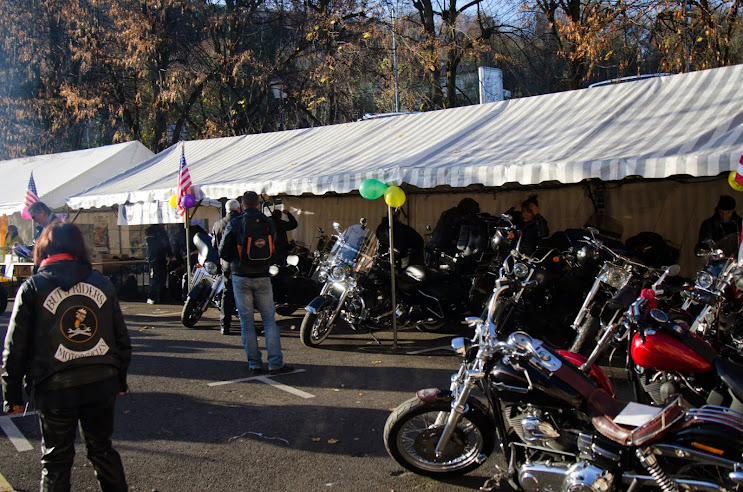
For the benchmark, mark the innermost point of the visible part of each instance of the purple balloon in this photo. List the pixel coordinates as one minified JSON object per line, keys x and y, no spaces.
{"x":188,"y":201}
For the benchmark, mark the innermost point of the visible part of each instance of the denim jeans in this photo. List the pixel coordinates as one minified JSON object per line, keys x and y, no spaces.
{"x":251,"y":294}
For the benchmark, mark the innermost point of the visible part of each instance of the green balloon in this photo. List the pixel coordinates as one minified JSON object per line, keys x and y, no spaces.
{"x":371,"y":189}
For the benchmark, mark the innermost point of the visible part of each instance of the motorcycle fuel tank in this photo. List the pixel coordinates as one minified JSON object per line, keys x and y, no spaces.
{"x":549,"y":391}
{"x":662,"y":352}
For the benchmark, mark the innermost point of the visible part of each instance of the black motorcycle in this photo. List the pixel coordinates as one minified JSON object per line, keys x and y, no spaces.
{"x":557,"y":428}
{"x":356,"y":289}
{"x":207,"y":283}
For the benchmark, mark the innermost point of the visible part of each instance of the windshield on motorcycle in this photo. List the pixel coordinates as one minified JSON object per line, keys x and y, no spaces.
{"x":356,"y":248}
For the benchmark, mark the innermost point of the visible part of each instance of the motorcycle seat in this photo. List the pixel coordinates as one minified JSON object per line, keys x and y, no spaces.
{"x":604,"y":411}
{"x":731,"y":374}
{"x":418,"y":275}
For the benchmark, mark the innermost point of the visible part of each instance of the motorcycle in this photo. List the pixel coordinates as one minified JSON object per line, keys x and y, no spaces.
{"x":617,"y":284}
{"x":557,"y":428}
{"x":293,"y":288}
{"x":357,"y":289}
{"x":206,"y":285}
{"x":718,"y":300}
{"x":667,"y":359}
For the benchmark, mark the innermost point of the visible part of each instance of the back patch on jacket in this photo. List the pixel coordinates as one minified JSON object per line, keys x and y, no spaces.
{"x":76,"y":323}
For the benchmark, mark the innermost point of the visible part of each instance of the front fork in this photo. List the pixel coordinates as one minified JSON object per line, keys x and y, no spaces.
{"x":461,"y":386}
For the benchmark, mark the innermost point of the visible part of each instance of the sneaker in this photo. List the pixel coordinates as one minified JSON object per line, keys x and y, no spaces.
{"x":281,"y":370}
{"x":256,"y":371}
{"x":225,"y":331}
{"x":150,"y":301}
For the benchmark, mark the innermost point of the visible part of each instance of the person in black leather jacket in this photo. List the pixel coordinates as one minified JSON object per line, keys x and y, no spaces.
{"x":228,"y":298}
{"x":68,"y":339}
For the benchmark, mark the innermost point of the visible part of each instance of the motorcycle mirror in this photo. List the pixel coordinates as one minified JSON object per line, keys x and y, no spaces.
{"x":320,"y":230}
{"x":673,"y":270}
{"x":273,"y":270}
{"x":593,"y":231}
{"x":337,"y":226}
{"x":292,"y":260}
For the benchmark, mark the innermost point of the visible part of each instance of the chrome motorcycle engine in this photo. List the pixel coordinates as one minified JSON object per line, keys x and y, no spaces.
{"x":570,"y":477}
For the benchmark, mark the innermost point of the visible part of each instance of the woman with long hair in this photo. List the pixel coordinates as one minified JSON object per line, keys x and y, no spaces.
{"x":68,"y":339}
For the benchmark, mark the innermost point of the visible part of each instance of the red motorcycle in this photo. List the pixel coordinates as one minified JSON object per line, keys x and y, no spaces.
{"x":666,"y":359}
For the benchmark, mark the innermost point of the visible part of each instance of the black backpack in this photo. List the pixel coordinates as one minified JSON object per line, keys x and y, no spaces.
{"x":257,"y":246}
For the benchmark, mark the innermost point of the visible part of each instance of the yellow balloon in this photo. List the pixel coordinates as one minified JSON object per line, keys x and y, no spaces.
{"x":733,"y":183}
{"x":174,"y":201}
{"x":394,"y":196}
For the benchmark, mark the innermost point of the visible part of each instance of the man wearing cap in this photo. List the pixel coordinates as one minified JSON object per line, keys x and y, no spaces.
{"x":723,"y":228}
{"x":251,"y":283}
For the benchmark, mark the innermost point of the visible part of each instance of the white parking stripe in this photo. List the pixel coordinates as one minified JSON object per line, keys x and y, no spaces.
{"x":267,"y":379}
{"x":288,"y":389}
{"x":14,"y":434}
{"x":4,"y":485}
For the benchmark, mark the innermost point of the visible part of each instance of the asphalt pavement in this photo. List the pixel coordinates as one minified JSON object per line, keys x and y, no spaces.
{"x":196,"y":420}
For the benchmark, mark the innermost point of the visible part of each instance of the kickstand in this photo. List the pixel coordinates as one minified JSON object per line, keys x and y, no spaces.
{"x":375,"y":338}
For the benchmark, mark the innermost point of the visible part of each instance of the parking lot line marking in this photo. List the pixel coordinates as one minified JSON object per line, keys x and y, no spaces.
{"x":4,"y":485}
{"x":14,"y":433}
{"x":288,"y":389}
{"x":443,"y":347}
{"x":267,"y":379}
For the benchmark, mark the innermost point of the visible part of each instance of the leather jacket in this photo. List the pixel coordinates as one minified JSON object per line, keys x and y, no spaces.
{"x":66,"y":331}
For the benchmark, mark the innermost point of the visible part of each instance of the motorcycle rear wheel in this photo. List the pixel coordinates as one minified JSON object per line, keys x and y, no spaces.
{"x":191,"y":313}
{"x":315,"y":329}
{"x":411,"y":435}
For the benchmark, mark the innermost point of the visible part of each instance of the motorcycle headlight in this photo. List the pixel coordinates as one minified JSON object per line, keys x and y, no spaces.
{"x":616,"y":277}
{"x":339,"y":273}
{"x":520,"y":270}
{"x":705,"y":280}
{"x":211,"y":268}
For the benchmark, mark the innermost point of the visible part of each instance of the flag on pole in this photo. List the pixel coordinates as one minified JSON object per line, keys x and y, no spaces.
{"x":31,"y":194}
{"x":184,"y":182}
{"x":739,"y":174}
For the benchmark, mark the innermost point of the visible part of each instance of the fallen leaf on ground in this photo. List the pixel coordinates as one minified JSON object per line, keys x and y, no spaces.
{"x":333,"y":441}
{"x":315,"y":439}
{"x":376,"y":362}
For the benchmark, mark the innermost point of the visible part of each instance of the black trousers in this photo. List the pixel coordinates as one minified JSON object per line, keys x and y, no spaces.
{"x":58,"y":427}
{"x":158,"y":276}
{"x":228,"y":303}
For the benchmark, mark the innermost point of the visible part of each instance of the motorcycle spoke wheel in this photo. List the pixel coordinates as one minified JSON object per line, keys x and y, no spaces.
{"x":315,"y":328}
{"x":585,"y":339}
{"x":706,"y":473}
{"x":411,"y":435}
{"x":433,"y":325}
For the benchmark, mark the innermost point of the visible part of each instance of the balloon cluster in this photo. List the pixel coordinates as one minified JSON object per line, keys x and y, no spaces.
{"x":187,"y":201}
{"x":733,"y":182}
{"x":25,"y":214}
{"x":371,"y":189}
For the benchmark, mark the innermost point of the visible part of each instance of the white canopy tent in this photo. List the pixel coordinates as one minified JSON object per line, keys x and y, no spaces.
{"x":682,"y":125}
{"x":59,"y":176}
{"x":688,"y":124}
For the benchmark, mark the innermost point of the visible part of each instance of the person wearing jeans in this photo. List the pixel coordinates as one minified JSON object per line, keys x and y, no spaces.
{"x":257,"y":293}
{"x":247,"y":244}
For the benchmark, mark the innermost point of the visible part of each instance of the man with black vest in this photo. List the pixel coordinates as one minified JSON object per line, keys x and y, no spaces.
{"x":248,"y":245}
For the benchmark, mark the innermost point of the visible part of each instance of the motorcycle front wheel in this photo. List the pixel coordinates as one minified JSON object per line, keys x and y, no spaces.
{"x":585,"y":340}
{"x":315,"y":327}
{"x":411,"y":435}
{"x":191,"y":313}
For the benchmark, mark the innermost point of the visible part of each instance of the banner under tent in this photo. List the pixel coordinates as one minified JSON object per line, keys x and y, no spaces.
{"x":652,"y":155}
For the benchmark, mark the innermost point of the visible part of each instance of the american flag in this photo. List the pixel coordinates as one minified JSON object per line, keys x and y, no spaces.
{"x":184,"y":182}
{"x":31,"y":195}
{"x":739,"y":174}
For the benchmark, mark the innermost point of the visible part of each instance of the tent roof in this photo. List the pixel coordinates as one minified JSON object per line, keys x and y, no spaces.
{"x":59,"y":176}
{"x":682,"y":124}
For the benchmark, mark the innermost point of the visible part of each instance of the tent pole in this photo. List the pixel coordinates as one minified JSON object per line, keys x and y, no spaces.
{"x":392,"y":282}
{"x":187,"y":221}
